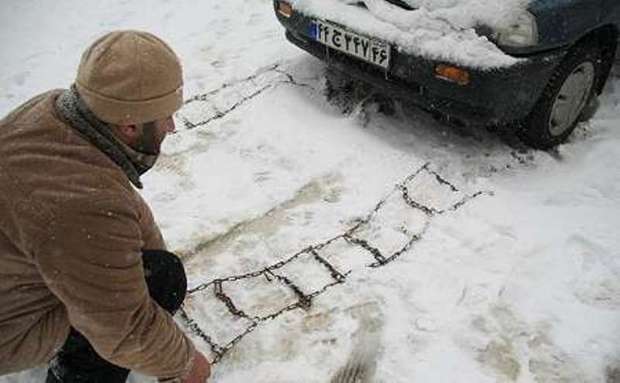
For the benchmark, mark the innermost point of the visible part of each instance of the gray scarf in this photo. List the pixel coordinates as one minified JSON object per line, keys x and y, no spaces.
{"x":73,"y":109}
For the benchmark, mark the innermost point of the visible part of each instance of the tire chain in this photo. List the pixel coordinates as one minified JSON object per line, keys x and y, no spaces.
{"x":281,"y":76}
{"x":304,"y":301}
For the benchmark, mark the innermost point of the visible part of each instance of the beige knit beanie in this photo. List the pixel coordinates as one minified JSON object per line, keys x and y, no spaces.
{"x":129,"y":78}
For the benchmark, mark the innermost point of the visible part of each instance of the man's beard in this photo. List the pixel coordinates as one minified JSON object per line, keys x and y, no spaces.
{"x":148,"y":142}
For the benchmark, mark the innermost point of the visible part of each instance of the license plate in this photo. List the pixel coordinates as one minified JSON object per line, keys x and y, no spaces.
{"x":370,"y":50}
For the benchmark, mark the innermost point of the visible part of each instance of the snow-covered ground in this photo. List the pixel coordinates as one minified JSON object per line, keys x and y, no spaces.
{"x":519,"y":284}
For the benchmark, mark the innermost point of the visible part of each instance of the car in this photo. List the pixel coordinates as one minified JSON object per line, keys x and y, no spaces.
{"x":540,"y":72}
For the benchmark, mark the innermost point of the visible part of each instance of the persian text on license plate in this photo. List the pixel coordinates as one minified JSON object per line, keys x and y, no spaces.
{"x":370,"y":50}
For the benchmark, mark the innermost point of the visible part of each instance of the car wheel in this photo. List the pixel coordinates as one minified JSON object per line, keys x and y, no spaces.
{"x":564,"y":100}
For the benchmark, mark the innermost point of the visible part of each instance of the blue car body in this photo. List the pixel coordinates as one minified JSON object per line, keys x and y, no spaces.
{"x":493,"y":96}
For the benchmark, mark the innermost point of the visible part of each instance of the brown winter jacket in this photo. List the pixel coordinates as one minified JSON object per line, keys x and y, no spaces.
{"x":71,"y":233}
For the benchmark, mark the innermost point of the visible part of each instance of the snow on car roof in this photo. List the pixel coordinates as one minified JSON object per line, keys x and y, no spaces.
{"x":436,"y":29}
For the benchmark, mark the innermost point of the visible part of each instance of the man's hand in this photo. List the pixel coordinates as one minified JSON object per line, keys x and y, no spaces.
{"x":201,"y":370}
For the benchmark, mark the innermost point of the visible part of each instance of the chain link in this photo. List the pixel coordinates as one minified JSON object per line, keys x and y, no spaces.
{"x":332,"y":270}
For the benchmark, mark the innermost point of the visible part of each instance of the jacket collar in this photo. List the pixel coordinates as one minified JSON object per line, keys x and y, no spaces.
{"x":72,"y":108}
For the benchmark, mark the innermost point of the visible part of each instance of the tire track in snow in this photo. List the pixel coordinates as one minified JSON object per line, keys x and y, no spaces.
{"x":264,"y":223}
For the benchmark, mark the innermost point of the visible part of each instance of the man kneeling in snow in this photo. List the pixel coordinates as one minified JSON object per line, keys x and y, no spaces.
{"x":84,"y":277}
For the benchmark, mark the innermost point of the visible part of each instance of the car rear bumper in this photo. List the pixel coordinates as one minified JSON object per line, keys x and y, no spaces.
{"x":492,"y":96}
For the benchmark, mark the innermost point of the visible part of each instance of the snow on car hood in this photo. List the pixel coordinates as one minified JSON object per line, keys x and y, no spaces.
{"x":436,"y":29}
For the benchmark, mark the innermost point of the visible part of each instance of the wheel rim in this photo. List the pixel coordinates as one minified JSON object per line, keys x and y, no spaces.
{"x":571,"y":99}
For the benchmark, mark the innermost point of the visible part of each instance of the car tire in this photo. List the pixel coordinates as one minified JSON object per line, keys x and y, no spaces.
{"x":569,"y":92}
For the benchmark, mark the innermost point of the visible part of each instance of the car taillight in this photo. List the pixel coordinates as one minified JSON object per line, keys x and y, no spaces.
{"x":285,"y":9}
{"x":452,"y":74}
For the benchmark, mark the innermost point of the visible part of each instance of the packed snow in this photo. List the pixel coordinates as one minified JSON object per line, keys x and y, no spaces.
{"x":442,"y":30}
{"x":518,"y":283}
